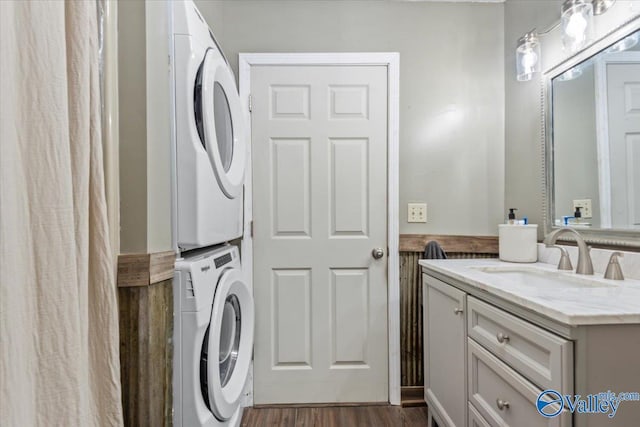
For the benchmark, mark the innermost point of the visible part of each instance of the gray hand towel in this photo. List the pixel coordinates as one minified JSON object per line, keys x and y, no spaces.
{"x":433,"y":250}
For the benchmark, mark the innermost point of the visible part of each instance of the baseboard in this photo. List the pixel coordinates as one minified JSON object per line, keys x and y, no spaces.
{"x":319,"y":405}
{"x":412,"y":396}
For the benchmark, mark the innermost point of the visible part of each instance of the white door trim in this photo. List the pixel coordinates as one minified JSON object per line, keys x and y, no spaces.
{"x":392,"y":61}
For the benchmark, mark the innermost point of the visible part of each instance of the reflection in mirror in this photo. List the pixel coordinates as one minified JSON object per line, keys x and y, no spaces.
{"x":596,"y":139}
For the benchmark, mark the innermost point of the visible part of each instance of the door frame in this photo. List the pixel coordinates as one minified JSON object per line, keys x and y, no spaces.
{"x":391,"y":60}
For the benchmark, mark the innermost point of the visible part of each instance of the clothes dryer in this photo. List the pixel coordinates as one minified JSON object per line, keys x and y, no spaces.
{"x":213,"y":338}
{"x":210,"y":135}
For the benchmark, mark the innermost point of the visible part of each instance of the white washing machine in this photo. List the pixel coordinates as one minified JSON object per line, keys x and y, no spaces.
{"x":213,"y":338}
{"x":211,"y":138}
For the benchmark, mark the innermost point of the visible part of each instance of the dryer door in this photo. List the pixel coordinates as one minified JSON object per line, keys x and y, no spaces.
{"x":229,"y":346}
{"x":222,"y":122}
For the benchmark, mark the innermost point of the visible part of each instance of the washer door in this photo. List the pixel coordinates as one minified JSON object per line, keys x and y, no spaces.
{"x":229,"y":345}
{"x":220,"y":122}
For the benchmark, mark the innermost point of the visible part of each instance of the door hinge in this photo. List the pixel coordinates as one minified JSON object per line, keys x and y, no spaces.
{"x":250,"y":104}
{"x":251,"y":229}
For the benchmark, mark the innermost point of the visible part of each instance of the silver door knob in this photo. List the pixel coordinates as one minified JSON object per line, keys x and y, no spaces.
{"x":377,"y":253}
{"x":458,"y":311}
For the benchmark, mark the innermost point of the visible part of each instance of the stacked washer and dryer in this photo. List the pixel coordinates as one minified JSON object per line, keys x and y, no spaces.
{"x":213,"y":306}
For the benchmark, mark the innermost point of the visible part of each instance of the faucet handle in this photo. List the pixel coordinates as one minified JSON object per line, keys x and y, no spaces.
{"x":614,"y":271}
{"x":565,"y":261}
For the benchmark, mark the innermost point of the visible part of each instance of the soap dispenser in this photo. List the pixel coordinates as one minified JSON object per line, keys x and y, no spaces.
{"x":577,"y":214}
{"x":512,"y":216}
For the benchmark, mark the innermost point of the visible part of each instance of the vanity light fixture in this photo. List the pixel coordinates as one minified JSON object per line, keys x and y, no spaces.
{"x":577,"y":28}
{"x":527,"y":56}
{"x":576,"y":19}
{"x":601,"y":6}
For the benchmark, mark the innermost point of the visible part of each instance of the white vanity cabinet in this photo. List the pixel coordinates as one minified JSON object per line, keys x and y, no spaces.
{"x":488,"y":358}
{"x":445,"y":327}
{"x":480,"y":362}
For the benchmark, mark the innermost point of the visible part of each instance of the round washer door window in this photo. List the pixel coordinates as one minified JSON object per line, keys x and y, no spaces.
{"x":229,"y":345}
{"x":222,"y":122}
{"x":224,"y":126}
{"x":229,"y":338}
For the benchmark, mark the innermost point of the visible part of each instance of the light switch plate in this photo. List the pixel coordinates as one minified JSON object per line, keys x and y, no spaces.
{"x":417,"y":212}
{"x":585,"y":204}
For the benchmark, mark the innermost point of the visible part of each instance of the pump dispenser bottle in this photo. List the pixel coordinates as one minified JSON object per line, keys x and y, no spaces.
{"x":577,"y":214}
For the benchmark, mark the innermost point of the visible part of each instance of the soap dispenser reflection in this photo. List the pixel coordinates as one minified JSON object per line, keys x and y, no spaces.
{"x":577,"y":214}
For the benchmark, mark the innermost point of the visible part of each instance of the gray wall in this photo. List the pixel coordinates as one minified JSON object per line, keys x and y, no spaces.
{"x":133,"y":131}
{"x":523,"y":158}
{"x":145,"y":133}
{"x":451,"y":89}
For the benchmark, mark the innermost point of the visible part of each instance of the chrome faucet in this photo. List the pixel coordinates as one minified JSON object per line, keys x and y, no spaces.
{"x":614,"y":271}
{"x":585,"y":265}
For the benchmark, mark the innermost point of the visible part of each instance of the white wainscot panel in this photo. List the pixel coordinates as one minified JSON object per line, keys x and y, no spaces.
{"x":291,"y":318}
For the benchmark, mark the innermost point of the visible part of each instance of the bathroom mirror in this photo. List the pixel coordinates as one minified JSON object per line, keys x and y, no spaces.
{"x":592,"y":140}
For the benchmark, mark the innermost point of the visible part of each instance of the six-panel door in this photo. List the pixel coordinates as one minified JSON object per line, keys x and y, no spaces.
{"x":319,"y":154}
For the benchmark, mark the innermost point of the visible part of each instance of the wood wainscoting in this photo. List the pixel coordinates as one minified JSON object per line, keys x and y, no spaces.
{"x":145,"y":298}
{"x":411,"y":334}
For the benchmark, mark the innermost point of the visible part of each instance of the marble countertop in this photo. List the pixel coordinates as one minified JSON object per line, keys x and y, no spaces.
{"x":602,"y":302}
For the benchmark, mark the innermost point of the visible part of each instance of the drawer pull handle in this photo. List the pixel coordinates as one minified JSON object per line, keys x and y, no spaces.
{"x":502,"y":404}
{"x":502,"y":338}
{"x":458,"y":311}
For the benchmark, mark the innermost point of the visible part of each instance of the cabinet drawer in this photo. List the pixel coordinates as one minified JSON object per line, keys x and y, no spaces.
{"x":502,"y":396}
{"x":542,"y":357}
{"x":475,"y":419}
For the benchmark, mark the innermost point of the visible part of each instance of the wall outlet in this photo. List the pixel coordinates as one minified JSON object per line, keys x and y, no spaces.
{"x":417,"y":212}
{"x":585,"y":204}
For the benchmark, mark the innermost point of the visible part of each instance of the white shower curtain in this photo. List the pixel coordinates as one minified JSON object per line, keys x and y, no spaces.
{"x":58,"y":311}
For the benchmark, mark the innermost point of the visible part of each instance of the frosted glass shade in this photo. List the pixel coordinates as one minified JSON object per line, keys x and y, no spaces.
{"x":577,"y":24}
{"x":527,"y":57}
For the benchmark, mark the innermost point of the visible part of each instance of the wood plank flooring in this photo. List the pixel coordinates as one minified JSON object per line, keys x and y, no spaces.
{"x":334,"y":416}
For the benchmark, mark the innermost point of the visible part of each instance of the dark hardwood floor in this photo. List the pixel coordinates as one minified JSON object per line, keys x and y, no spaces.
{"x":335,"y":416}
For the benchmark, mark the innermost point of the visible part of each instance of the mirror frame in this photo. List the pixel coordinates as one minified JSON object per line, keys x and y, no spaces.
{"x":598,"y":236}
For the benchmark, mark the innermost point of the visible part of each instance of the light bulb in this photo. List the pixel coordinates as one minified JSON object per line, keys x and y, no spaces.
{"x":527,"y":56}
{"x":529,"y":61}
{"x":576,"y":27}
{"x":576,"y":24}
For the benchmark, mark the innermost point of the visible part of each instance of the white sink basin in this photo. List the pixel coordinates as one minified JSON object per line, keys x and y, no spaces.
{"x":542,"y":278}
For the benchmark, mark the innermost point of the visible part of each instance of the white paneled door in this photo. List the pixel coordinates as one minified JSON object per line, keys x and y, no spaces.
{"x":319,"y":151}
{"x":624,"y":143}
